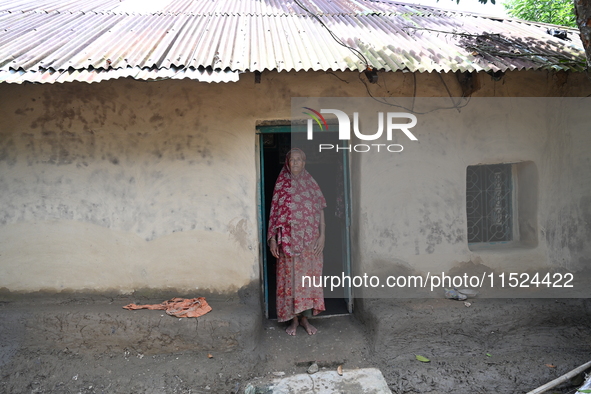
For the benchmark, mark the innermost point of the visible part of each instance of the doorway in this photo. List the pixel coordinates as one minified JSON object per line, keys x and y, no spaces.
{"x":330,"y":170}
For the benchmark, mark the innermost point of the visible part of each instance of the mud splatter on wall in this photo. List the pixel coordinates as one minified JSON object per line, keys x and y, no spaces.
{"x":129,"y":165}
{"x":414,"y":202}
{"x":123,"y":185}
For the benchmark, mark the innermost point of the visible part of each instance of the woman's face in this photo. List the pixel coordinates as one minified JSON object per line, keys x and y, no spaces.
{"x":296,"y":163}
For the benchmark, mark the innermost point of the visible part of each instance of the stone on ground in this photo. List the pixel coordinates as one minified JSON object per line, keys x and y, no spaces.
{"x":366,"y":380}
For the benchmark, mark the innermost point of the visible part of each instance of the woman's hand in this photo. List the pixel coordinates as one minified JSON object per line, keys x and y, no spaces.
{"x":319,"y":245}
{"x":274,"y":247}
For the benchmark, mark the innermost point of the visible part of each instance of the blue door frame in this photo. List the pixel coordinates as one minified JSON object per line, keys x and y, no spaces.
{"x":264,"y":132}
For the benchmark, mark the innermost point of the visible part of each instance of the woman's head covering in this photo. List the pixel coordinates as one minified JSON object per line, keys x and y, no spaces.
{"x":297,"y":202}
{"x":292,"y":150}
{"x":290,"y":153}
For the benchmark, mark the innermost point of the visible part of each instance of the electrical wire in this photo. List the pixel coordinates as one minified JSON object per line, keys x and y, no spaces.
{"x":370,"y":68}
{"x":448,"y":92}
{"x":338,"y":40}
{"x":455,"y":106}
{"x":414,"y":91}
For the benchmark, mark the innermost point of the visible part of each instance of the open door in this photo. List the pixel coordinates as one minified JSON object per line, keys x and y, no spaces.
{"x":330,"y":169}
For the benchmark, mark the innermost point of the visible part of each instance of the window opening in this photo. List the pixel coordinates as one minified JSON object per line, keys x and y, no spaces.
{"x":489,"y":203}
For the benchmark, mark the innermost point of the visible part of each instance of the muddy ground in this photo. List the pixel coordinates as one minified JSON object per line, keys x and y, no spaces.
{"x":492,"y":346}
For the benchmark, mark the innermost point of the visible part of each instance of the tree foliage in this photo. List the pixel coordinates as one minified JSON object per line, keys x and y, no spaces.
{"x":580,"y":17}
{"x":557,"y":12}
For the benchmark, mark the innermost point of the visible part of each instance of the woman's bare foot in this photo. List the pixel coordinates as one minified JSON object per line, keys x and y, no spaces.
{"x":291,"y":329}
{"x":310,"y":329}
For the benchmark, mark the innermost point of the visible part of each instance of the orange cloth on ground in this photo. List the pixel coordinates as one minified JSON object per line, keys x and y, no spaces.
{"x":178,"y":307}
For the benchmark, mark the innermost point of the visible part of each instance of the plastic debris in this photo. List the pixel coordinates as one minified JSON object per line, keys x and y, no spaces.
{"x":586,"y":387}
{"x":470,"y":293}
{"x":454,"y":294}
{"x":250,"y":389}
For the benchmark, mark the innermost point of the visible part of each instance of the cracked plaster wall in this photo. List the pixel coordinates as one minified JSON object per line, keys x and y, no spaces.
{"x":126,"y":185}
{"x":122,"y":185}
{"x":412,"y":205}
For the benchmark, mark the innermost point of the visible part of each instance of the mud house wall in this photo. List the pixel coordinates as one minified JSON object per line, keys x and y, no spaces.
{"x":412,"y":205}
{"x":122,"y":185}
{"x":125,"y":185}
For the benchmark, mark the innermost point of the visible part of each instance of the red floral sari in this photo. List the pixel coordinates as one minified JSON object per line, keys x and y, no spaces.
{"x":295,"y":220}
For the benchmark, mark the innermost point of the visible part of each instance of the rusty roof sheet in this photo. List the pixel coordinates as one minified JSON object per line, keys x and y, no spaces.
{"x":50,"y":41}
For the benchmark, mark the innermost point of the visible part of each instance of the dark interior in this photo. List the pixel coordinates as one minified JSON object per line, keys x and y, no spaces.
{"x":327,"y":169}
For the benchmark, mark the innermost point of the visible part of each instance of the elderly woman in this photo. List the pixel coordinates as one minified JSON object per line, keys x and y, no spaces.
{"x":296,"y":239}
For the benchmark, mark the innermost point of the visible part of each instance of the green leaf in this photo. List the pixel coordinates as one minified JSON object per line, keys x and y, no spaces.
{"x":489,"y":355}
{"x":558,"y":12}
{"x":584,"y":391}
{"x":422,"y":359}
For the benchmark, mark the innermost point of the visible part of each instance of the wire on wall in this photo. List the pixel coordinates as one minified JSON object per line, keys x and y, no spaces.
{"x":454,"y":106}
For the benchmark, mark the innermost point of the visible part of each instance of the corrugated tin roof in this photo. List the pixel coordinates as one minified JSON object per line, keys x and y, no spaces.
{"x":214,"y":40}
